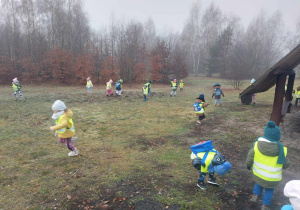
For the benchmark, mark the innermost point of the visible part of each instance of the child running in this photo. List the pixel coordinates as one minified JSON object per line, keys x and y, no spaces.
{"x":119,"y":87}
{"x":181,"y":84}
{"x":145,"y":91}
{"x":89,"y":85}
{"x":108,"y":88}
{"x":64,"y":125}
{"x":217,"y":94}
{"x":17,"y":89}
{"x":149,"y":86}
{"x":173,"y":87}
{"x":199,"y":108}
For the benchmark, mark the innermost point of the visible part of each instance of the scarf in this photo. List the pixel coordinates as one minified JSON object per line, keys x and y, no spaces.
{"x":55,"y":116}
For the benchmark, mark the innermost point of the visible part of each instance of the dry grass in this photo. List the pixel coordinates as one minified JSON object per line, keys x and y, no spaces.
{"x":121,"y":140}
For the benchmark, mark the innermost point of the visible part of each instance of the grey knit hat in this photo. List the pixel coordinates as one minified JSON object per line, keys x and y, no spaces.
{"x":58,"y":106}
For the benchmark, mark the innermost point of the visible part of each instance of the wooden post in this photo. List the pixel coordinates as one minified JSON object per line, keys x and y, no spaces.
{"x":289,"y":90}
{"x":278,"y":99}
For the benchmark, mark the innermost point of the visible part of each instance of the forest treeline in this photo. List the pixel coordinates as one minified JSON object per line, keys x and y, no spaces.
{"x":51,"y":41}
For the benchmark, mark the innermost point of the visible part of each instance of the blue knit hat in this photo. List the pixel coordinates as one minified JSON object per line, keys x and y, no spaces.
{"x":272,"y":132}
{"x":223,"y":168}
{"x":217,"y":84}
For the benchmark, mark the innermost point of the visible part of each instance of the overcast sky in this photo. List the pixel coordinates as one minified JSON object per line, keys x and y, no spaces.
{"x":170,"y":15}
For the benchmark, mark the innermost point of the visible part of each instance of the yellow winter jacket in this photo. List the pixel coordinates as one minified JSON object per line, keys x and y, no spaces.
{"x":65,"y":124}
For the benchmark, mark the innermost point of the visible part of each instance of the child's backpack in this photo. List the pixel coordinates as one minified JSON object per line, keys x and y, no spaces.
{"x":118,"y":85}
{"x":218,"y":92}
{"x":204,"y":146}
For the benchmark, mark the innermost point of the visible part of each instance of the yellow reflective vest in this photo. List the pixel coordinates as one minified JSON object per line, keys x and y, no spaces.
{"x":173,"y":85}
{"x":108,"y":86}
{"x":181,"y":85}
{"x":266,"y":167}
{"x":15,"y":87}
{"x":208,"y":160}
{"x":145,"y":90}
{"x":89,"y":84}
{"x":297,"y":93}
{"x":63,"y":130}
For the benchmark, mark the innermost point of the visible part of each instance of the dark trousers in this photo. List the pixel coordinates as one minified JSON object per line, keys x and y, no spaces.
{"x":201,"y":117}
{"x":296,"y":102}
{"x":203,"y":175}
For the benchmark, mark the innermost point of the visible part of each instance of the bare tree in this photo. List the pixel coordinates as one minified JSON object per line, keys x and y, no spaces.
{"x":191,"y":36}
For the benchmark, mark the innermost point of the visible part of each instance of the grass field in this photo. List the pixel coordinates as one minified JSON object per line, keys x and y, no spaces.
{"x":133,"y":154}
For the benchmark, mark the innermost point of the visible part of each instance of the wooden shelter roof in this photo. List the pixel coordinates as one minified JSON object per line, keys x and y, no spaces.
{"x":268,"y":79}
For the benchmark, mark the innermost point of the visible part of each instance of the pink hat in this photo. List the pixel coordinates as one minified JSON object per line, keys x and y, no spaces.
{"x":175,"y":80}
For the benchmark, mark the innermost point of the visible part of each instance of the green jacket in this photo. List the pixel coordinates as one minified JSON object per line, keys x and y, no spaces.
{"x":268,"y":149}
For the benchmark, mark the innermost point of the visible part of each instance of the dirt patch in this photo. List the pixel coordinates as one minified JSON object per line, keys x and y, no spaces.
{"x":125,"y":194}
{"x":290,"y":129}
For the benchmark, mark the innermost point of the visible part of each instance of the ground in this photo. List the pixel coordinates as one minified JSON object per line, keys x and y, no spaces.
{"x":133,"y":154}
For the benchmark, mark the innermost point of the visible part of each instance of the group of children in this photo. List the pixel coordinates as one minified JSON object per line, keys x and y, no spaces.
{"x":200,"y":105}
{"x":266,"y":158}
{"x":174,"y":86}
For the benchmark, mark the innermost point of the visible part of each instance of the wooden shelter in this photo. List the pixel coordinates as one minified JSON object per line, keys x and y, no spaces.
{"x":277,"y":75}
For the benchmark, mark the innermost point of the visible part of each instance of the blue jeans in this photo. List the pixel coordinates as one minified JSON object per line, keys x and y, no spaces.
{"x":145,"y":97}
{"x":203,"y":175}
{"x":267,"y":195}
{"x":218,"y":100}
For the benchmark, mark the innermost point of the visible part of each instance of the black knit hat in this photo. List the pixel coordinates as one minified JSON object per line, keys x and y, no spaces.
{"x":201,"y":97}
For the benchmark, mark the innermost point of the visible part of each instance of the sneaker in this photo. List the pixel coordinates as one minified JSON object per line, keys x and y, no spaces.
{"x":265,"y":207}
{"x":201,"y":185}
{"x":212,"y":181}
{"x":254,"y":198}
{"x":73,"y":153}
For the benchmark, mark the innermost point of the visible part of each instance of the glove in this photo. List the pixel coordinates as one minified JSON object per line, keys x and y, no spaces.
{"x":203,"y":164}
{"x":249,"y":168}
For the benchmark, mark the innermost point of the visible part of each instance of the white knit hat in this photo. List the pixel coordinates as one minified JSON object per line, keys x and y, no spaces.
{"x":58,"y":106}
{"x":292,"y":191}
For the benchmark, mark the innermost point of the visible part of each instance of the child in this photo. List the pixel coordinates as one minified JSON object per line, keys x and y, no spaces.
{"x":292,"y":191}
{"x":267,"y":158}
{"x":173,"y":87}
{"x":217,"y":94}
{"x":297,"y":94}
{"x":108,"y":88}
{"x":89,"y":84}
{"x":145,"y":91}
{"x":209,"y":162}
{"x":254,"y":94}
{"x":17,"y":89}
{"x":181,"y":84}
{"x":199,"y":108}
{"x":64,"y":125}
{"x":119,"y":87}
{"x":149,"y":87}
